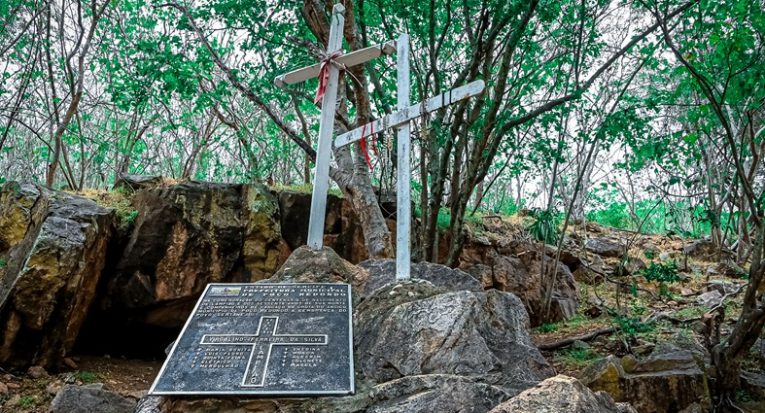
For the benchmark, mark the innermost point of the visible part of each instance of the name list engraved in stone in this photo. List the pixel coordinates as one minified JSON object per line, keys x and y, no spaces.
{"x":264,"y":339}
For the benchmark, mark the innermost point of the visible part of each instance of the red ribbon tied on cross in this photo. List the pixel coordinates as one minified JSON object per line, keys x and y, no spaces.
{"x":324,"y":75}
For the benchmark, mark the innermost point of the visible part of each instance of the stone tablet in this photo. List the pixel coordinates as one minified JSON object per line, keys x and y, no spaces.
{"x":263,"y":339}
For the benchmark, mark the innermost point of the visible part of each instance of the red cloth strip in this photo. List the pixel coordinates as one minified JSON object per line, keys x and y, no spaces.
{"x":324,"y":76}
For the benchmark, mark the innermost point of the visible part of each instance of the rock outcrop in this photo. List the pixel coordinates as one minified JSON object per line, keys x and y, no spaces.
{"x":521,"y":274}
{"x":52,"y":249}
{"x":436,"y":343}
{"x":605,"y":247}
{"x":188,"y":235}
{"x":562,"y":394}
{"x":668,"y":380}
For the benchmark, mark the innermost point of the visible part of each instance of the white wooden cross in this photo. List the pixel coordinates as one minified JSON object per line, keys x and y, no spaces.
{"x":327,"y":122}
{"x":400,"y":120}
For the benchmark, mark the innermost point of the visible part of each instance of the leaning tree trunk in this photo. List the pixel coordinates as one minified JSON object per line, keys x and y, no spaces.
{"x":726,"y":356}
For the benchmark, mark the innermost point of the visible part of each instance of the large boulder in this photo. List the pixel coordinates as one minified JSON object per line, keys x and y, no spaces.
{"x":669,"y":380}
{"x":342,"y":227}
{"x":562,"y":394}
{"x":523,"y":277}
{"x":416,"y":328}
{"x":437,"y":342}
{"x":605,"y":247}
{"x":382,"y":272}
{"x":186,"y":236}
{"x":52,"y":249}
{"x":416,"y":394}
{"x":308,"y":266}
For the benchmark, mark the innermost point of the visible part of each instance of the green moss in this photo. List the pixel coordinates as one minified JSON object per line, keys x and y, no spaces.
{"x":305,"y":189}
{"x":120,"y":200}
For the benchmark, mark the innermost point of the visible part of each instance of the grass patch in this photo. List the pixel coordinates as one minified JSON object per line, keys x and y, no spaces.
{"x":87,"y":377}
{"x":578,"y":358}
{"x":548,"y":327}
{"x":3,"y":263}
{"x":28,"y":401}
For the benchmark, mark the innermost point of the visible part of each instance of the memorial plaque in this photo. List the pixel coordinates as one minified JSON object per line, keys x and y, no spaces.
{"x":263,"y":339}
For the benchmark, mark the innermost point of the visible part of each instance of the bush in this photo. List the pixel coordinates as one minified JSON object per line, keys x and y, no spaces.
{"x":663,"y":273}
{"x":545,"y":226}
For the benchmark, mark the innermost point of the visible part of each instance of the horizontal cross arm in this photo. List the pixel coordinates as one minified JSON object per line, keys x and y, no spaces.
{"x":412,"y":112}
{"x":350,"y":59}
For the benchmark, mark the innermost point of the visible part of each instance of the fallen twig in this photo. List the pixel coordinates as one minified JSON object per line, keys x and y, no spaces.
{"x":568,"y":341}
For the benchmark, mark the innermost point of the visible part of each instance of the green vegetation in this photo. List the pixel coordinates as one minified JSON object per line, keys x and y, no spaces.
{"x":28,"y":401}
{"x":548,"y":328}
{"x":86,"y":377}
{"x":578,"y":358}
{"x":545,"y":226}
{"x":663,"y":274}
{"x":632,"y":326}
{"x":3,"y":263}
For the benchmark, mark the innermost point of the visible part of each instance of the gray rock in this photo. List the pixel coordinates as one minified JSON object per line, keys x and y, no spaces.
{"x":428,"y":393}
{"x":562,"y":394}
{"x":605,"y":247}
{"x":78,"y":399}
{"x":383,"y":272}
{"x":412,"y":329}
{"x":709,"y":298}
{"x":325,"y":266}
{"x":148,"y":404}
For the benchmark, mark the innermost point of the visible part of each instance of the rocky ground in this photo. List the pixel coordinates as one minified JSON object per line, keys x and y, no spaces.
{"x":94,"y":286}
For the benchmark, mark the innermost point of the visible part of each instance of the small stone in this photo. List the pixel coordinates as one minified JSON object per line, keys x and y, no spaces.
{"x":53,"y":388}
{"x":664,"y":256}
{"x":76,"y":399}
{"x":629,"y":362}
{"x":13,"y":386}
{"x":3,"y":389}
{"x":580,"y":345}
{"x":709,"y":298}
{"x":37,"y":372}
{"x":685,"y":292}
{"x":70,"y":363}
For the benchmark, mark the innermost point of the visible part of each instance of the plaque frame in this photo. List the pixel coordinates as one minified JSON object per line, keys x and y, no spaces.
{"x":248,"y":391}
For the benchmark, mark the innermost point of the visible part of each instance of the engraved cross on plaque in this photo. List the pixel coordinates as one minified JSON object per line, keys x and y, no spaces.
{"x":262,"y":342}
{"x":334,"y":61}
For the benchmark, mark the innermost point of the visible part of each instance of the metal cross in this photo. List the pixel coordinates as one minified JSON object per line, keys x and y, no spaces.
{"x":327,"y":122}
{"x":400,"y":120}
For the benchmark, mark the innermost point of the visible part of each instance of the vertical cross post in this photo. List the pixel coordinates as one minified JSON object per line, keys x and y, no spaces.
{"x":326,"y":130}
{"x":403,"y":203}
